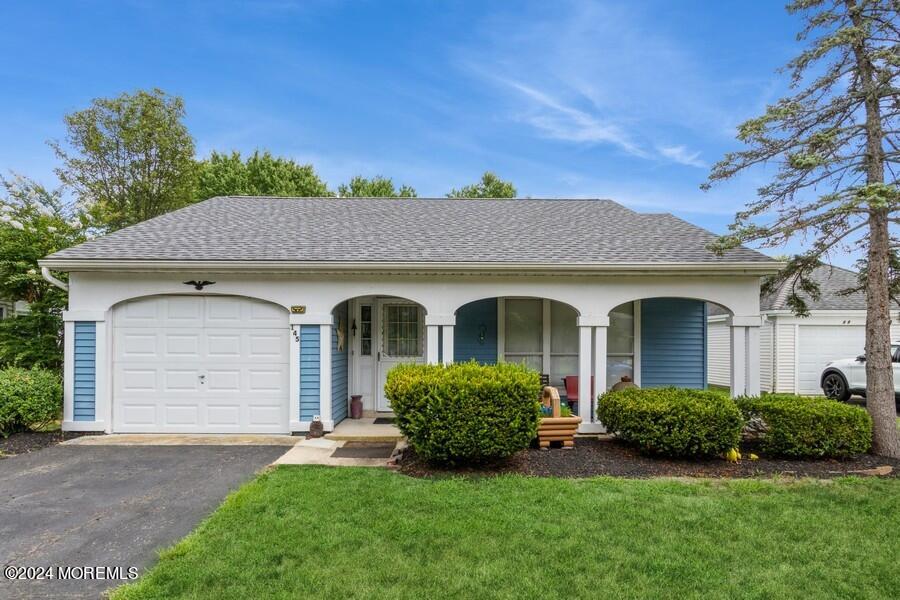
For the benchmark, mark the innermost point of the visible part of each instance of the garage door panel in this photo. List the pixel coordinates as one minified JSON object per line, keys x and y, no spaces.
{"x":181,"y":380}
{"x":224,"y":345}
{"x":821,"y":344}
{"x":215,"y":365}
{"x":183,"y":311}
{"x":182,"y":346}
{"x":182,"y":415}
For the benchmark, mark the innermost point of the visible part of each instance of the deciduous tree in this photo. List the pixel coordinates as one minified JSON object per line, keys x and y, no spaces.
{"x":128,"y":158}
{"x":490,"y":186}
{"x":261,"y":174}
{"x":34,"y":222}
{"x":834,"y":140}
{"x":376,"y":187}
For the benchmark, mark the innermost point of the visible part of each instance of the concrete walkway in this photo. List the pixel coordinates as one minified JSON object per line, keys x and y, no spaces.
{"x":364,"y":430}
{"x":319,"y":452}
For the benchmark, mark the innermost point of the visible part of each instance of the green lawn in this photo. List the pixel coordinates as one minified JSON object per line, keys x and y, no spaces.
{"x":360,"y":533}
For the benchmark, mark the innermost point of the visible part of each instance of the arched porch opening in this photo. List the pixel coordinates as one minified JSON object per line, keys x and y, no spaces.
{"x":372,"y":334}
{"x":539,"y":332}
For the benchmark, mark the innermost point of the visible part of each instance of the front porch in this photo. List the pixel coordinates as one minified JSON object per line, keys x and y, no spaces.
{"x":655,"y":341}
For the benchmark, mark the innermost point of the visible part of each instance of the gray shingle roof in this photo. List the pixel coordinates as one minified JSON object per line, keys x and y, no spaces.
{"x":831,"y":280}
{"x":411,"y":230}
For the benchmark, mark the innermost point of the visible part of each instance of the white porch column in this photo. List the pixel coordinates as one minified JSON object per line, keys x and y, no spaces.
{"x":584,"y":373}
{"x":752,"y":354}
{"x":745,"y":355}
{"x":738,"y":361}
{"x":599,"y":361}
{"x":325,"y":376}
{"x":447,"y":351}
{"x":431,"y":344}
{"x":433,"y":323}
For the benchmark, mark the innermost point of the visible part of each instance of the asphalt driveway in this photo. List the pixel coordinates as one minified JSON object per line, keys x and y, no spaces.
{"x":109,"y":506}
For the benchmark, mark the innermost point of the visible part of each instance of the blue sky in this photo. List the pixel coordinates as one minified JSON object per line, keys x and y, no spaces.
{"x":625,"y":100}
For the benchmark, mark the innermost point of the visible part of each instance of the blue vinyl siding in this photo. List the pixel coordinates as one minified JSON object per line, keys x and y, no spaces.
{"x":85,"y":366}
{"x":673,"y":343}
{"x":309,"y":371}
{"x":471,"y":320}
{"x":339,"y":396}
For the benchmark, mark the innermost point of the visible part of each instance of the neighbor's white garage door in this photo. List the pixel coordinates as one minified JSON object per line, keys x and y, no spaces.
{"x":192,"y":364}
{"x":821,"y":344}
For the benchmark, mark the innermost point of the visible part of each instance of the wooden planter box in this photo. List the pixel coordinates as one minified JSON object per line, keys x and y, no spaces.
{"x":556,"y":428}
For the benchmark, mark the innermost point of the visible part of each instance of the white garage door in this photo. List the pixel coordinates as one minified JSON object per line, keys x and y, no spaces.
{"x":192,"y":364}
{"x":821,"y":344}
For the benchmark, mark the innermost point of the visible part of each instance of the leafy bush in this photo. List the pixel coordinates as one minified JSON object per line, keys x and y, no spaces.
{"x":673,"y":421}
{"x":799,"y":426}
{"x":29,"y":399}
{"x":465,"y":412}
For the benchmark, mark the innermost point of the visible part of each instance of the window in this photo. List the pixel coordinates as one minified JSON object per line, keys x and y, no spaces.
{"x":365,"y":330}
{"x":620,"y":344}
{"x":544,"y":335}
{"x":524,"y":327}
{"x":402,"y":333}
{"x":563,"y":342}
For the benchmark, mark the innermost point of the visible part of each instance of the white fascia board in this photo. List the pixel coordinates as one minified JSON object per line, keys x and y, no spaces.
{"x":193,"y":266}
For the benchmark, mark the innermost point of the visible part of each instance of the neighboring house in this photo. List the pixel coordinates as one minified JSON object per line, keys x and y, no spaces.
{"x":259,"y":314}
{"x":794,"y":350}
{"x":8,"y":308}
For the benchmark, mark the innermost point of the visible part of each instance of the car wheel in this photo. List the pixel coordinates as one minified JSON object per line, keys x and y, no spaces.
{"x":835,"y":387}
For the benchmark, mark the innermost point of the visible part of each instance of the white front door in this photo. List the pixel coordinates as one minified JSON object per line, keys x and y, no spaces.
{"x":402,"y":340}
{"x":200,"y":364}
{"x":365,"y":350}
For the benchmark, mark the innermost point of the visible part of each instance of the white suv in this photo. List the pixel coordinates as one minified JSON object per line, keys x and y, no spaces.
{"x":847,"y":376}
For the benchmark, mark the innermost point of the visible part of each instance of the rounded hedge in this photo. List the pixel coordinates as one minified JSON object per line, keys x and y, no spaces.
{"x":799,"y":427}
{"x":29,"y":399}
{"x":465,"y":412}
{"x":673,"y":421}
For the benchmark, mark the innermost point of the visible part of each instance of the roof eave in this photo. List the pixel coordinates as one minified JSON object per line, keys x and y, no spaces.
{"x":229,"y":266}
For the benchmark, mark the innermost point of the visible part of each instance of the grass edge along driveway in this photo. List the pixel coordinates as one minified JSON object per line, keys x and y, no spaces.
{"x":360,"y":533}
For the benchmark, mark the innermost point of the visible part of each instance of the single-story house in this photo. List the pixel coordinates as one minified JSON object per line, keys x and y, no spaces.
{"x":244,"y":314}
{"x":794,"y":350}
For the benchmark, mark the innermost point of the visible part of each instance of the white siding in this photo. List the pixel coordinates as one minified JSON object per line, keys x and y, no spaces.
{"x":766,"y":356}
{"x":784,"y":365}
{"x":718,"y":352}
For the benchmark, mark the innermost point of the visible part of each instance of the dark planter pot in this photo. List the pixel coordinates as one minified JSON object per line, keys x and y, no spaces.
{"x":356,"y":408}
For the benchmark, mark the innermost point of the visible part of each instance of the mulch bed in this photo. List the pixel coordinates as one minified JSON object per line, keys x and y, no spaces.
{"x":23,"y":443}
{"x":592,"y":457}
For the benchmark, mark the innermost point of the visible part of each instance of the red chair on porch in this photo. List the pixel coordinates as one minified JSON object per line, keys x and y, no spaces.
{"x":571,"y":383}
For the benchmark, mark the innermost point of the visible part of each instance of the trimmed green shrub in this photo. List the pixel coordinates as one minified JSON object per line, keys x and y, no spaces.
{"x":673,"y":421}
{"x":798,"y":426}
{"x":465,"y":412}
{"x":29,"y":399}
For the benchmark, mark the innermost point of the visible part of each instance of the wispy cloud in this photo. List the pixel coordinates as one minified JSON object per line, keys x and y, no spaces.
{"x":682,"y":155}
{"x":564,"y":122}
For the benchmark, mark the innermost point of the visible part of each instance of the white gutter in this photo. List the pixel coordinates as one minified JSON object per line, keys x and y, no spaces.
{"x":220,"y":266}
{"x":45,"y":273}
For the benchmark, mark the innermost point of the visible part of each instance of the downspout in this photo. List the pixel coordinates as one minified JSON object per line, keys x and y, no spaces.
{"x":45,"y":273}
